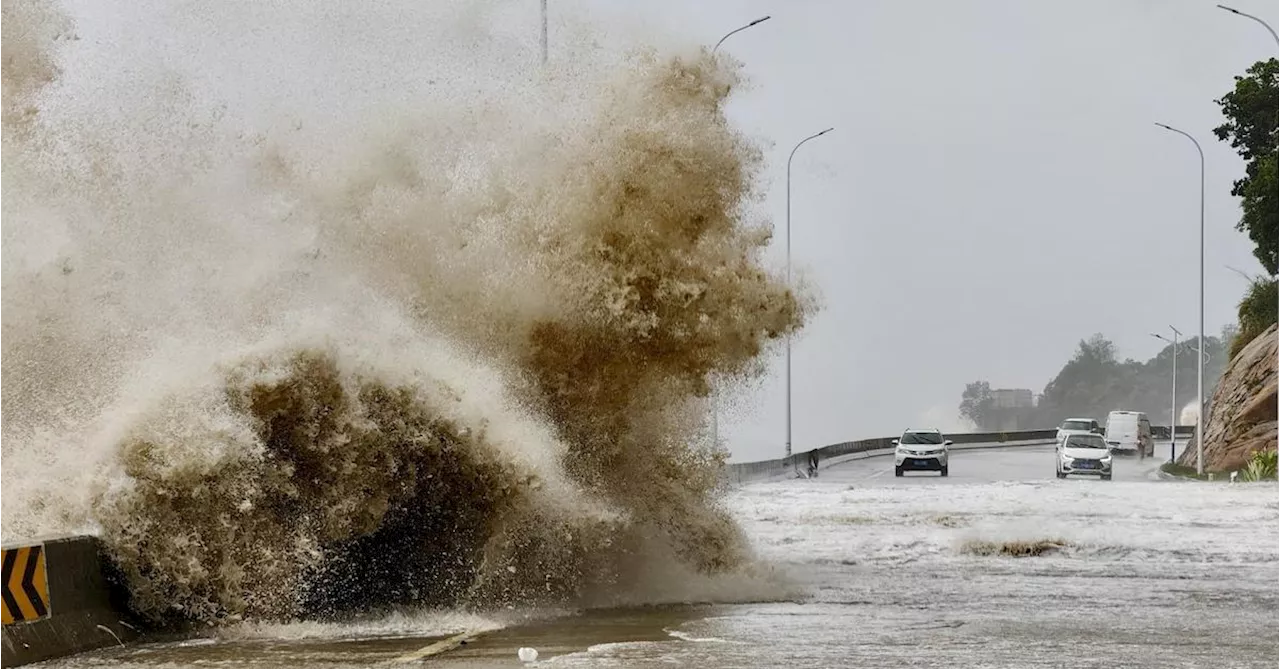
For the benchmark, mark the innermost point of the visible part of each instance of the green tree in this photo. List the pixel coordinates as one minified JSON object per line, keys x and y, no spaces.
{"x":976,"y":403}
{"x":1077,"y":390}
{"x":1094,"y":383}
{"x":1251,"y":128}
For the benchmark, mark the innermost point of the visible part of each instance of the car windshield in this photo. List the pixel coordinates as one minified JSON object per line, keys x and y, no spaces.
{"x":921,"y":438}
{"x":1085,"y":441}
{"x":1076,"y":425}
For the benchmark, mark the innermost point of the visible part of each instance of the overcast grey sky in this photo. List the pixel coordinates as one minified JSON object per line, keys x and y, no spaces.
{"x":995,"y":189}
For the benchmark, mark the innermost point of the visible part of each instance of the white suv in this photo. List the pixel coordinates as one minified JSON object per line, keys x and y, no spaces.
{"x":920,"y":450}
{"x":1077,"y":426}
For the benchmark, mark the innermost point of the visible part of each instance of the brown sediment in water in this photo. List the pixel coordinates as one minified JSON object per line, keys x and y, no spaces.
{"x":428,"y":366}
{"x":1019,"y":548}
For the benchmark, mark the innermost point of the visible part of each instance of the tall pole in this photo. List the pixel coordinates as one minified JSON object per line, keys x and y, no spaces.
{"x":1276,"y":39}
{"x":1200,"y":417}
{"x":1173,"y":394}
{"x":738,"y":30}
{"x":544,"y":32}
{"x":788,"y":237}
{"x":1173,"y":401}
{"x":715,"y":409}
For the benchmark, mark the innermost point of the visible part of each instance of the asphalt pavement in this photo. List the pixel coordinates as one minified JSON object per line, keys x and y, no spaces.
{"x":859,"y":568}
{"x":1028,"y":463}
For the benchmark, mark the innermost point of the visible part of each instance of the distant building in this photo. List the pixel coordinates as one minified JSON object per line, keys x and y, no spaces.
{"x":1012,"y":398}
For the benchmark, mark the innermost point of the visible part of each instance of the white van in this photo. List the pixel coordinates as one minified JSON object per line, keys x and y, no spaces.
{"x":1129,"y":431}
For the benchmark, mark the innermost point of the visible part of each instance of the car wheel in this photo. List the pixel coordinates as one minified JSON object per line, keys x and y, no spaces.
{"x":1106,"y":477}
{"x":897,"y":471}
{"x":944,"y":470}
{"x":1059,"y":474}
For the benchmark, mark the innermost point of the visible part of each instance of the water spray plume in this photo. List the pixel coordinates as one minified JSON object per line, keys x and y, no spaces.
{"x":303,"y":320}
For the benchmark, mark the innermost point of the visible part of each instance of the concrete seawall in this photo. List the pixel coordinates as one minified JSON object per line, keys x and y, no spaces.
{"x":59,"y":600}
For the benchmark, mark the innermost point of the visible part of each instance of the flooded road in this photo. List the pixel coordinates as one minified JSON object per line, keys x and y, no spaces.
{"x":906,"y":572}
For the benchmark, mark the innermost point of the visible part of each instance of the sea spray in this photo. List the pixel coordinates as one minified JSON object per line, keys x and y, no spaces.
{"x":365,"y":326}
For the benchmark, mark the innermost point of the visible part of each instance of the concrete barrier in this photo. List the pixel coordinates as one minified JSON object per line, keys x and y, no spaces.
{"x":59,"y":599}
{"x":745,"y":472}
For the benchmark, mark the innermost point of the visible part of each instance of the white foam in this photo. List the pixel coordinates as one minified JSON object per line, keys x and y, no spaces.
{"x":403,"y":624}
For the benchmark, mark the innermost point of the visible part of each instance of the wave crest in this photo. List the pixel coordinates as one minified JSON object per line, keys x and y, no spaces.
{"x":451,"y":350}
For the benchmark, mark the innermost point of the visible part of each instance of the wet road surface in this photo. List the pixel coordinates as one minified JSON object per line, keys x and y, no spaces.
{"x":894,"y":572}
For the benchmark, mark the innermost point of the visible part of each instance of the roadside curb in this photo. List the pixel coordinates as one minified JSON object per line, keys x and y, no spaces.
{"x":1162,"y":475}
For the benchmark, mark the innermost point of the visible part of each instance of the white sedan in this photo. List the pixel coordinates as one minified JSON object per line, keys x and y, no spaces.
{"x":1083,"y":454}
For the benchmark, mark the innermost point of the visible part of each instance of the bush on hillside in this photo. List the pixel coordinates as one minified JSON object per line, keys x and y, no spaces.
{"x":1257,"y":312}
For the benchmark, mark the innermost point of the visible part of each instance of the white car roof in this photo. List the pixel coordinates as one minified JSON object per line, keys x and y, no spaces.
{"x":1084,"y":420}
{"x":922,"y":431}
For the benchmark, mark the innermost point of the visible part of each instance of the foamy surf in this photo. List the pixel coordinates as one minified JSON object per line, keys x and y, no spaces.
{"x":398,"y":625}
{"x":307,"y":321}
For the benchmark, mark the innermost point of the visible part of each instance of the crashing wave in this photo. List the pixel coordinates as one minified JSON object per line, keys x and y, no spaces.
{"x":445,"y":346}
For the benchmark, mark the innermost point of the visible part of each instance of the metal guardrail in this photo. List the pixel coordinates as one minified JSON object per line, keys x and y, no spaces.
{"x":744,"y":472}
{"x":1179,"y":431}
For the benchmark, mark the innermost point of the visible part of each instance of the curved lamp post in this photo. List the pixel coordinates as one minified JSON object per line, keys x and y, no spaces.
{"x":738,"y":30}
{"x":715,"y":409}
{"x":1200,"y":367}
{"x":793,"y":155}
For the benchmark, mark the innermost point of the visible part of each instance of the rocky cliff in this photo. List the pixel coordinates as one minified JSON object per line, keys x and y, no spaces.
{"x":1242,"y":415}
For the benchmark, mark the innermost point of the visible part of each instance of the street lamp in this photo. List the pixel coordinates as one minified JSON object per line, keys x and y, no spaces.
{"x":1200,"y":366}
{"x":755,"y":22}
{"x":1173,"y":395}
{"x":1276,"y":37}
{"x":715,"y":410}
{"x":793,"y":155}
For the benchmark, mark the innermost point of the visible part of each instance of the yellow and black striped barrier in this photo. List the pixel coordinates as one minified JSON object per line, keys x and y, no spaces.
{"x":26,"y":584}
